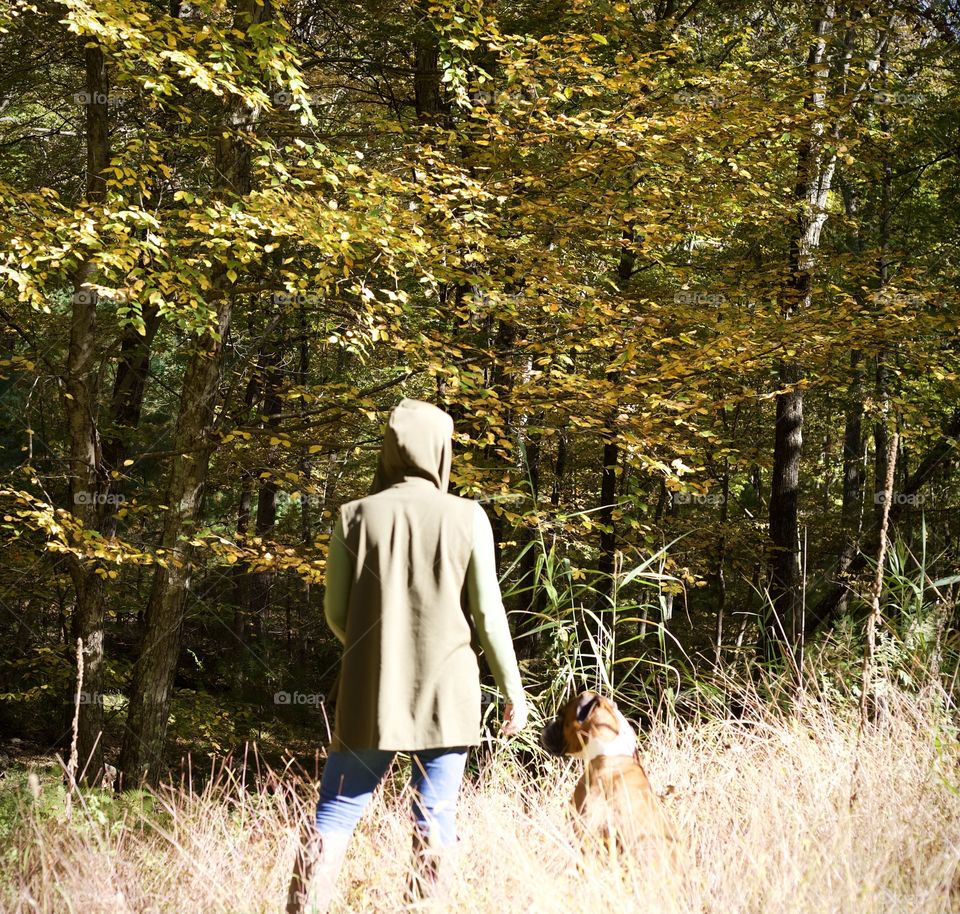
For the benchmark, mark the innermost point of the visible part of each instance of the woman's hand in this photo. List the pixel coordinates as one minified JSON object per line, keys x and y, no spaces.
{"x":514,"y":719}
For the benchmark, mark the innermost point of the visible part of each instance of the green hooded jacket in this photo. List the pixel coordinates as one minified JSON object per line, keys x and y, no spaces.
{"x":410,"y":567}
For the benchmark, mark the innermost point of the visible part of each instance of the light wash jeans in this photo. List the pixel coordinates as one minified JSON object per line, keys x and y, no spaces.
{"x":349,"y":779}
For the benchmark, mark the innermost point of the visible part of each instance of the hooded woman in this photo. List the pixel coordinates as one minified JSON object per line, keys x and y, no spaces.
{"x":410,"y":577}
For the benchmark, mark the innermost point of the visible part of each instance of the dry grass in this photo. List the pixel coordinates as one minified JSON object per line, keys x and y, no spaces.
{"x":764,"y":807}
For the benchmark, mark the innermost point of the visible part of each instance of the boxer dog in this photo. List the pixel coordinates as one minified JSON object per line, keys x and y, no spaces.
{"x":614,"y":797}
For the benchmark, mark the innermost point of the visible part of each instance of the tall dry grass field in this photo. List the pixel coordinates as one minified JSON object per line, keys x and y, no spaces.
{"x":763,"y":803}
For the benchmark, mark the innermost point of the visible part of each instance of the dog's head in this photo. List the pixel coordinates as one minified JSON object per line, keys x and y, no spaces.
{"x":589,"y":724}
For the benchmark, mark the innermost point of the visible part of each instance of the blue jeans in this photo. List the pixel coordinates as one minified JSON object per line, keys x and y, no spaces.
{"x":349,"y":779}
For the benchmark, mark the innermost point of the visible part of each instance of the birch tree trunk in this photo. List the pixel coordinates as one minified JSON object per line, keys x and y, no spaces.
{"x":815,"y":167}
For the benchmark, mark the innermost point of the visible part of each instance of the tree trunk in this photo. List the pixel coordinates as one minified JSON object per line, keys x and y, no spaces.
{"x":427,"y":92}
{"x":881,"y":431}
{"x":719,"y":575}
{"x":257,"y":585}
{"x":559,"y":468}
{"x":89,"y":483}
{"x":785,"y":581}
{"x":606,"y":564}
{"x":501,"y":376}
{"x":153,"y":677}
{"x":815,"y":165}
{"x":239,"y":572}
{"x":307,"y":499}
{"x":851,"y":511}
{"x":529,"y":643}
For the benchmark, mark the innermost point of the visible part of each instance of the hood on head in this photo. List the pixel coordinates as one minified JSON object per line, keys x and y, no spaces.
{"x":418,"y":442}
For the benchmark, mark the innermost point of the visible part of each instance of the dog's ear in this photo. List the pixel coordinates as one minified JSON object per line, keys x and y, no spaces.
{"x":586,"y":705}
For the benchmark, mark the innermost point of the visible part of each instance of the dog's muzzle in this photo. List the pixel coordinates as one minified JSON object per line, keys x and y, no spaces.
{"x":551,"y":737}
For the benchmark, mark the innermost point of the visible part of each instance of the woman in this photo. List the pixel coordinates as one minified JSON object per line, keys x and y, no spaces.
{"x":400,"y":562}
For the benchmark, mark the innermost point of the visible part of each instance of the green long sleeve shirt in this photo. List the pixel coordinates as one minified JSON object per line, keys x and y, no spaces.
{"x":483,"y":595}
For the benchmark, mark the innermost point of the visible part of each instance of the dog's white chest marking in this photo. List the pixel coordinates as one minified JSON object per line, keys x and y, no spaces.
{"x":624,"y":743}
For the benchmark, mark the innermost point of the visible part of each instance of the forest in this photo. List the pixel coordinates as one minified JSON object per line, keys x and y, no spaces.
{"x":684,"y":274}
